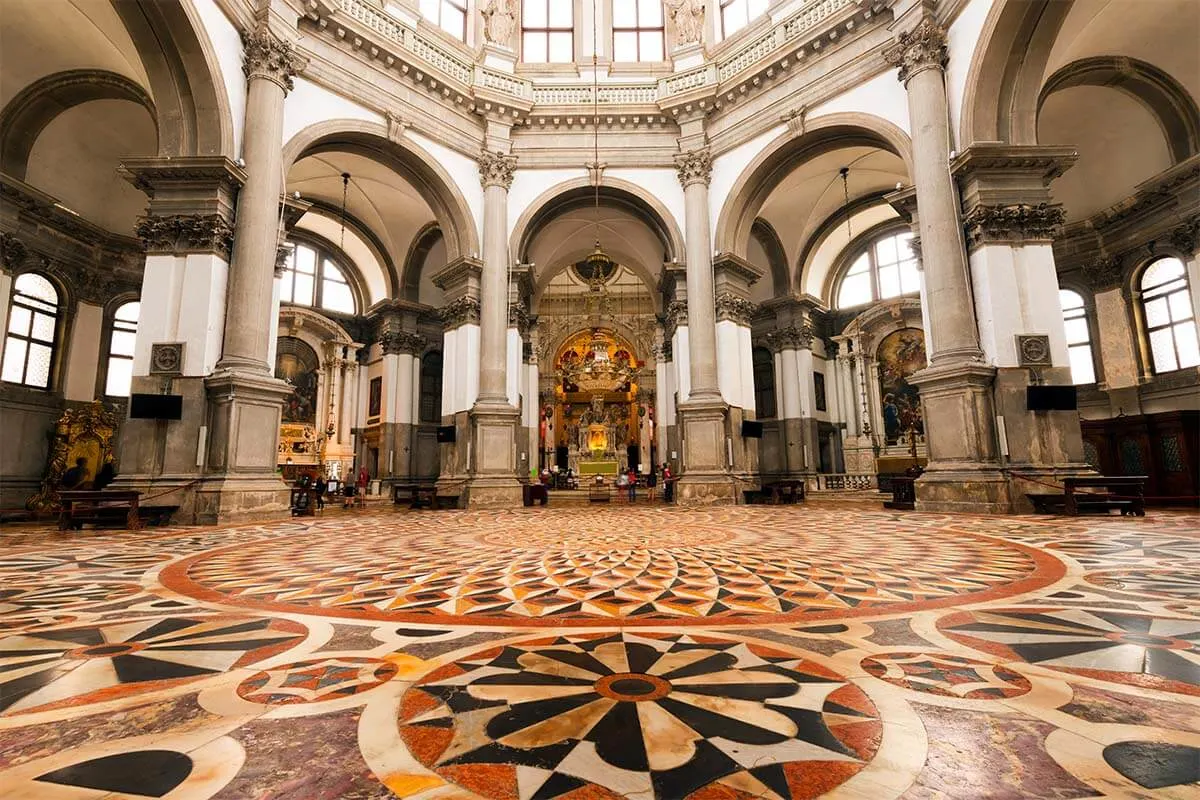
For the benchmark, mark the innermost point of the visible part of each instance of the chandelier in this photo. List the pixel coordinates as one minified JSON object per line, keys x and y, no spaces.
{"x":597,"y":371}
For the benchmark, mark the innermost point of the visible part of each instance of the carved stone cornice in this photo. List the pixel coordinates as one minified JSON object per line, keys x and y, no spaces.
{"x":677,"y":312}
{"x":694,"y":166}
{"x":267,"y":56}
{"x":186,"y":233}
{"x":662,"y":352}
{"x":1103,"y":273}
{"x":401,"y":342}
{"x":922,"y":48}
{"x":456,"y":313}
{"x":736,"y":309}
{"x":12,"y":252}
{"x":1013,"y":224}
{"x":496,"y":169}
{"x":1186,"y":237}
{"x":188,"y":185}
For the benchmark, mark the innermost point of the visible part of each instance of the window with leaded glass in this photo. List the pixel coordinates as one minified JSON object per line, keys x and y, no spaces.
{"x":311,"y":277}
{"x":638,"y":30}
{"x":886,"y":268}
{"x":1168,"y":316}
{"x":1079,"y":337}
{"x":119,"y":375}
{"x":30,"y":342}
{"x":547,"y":31}
{"x":449,"y":15}
{"x":736,"y":14}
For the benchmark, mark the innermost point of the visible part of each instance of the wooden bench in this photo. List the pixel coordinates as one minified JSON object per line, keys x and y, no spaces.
{"x":784,"y":492}
{"x":420,"y":495}
{"x":534,"y":493}
{"x":1124,"y":493}
{"x":99,"y":507}
{"x":904,"y":494}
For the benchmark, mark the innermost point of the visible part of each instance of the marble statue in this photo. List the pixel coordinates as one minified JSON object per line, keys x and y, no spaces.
{"x":688,"y":19}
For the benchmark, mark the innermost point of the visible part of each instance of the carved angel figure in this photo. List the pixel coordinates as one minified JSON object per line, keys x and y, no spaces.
{"x":688,"y":19}
{"x":499,"y":21}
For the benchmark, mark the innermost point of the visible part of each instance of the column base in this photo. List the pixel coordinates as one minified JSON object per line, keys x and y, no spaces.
{"x":984,"y":490}
{"x":706,"y":478}
{"x":1033,"y":479}
{"x":492,"y":481}
{"x":240,"y":498}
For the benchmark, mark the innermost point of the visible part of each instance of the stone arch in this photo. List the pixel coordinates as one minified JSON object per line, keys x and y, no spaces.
{"x":771,"y":166}
{"x":34,"y":107}
{"x":368,"y":237}
{"x":413,"y":163}
{"x":618,"y":254}
{"x":614,"y":191}
{"x":422,"y":244}
{"x":823,"y":231}
{"x":194,"y":117}
{"x":1173,"y":108}
{"x":771,"y":244}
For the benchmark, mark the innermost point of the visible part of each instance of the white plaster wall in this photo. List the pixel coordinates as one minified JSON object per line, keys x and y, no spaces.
{"x":882,"y":96}
{"x":165,"y":317}
{"x":228,"y":46}
{"x":273,"y":341}
{"x":450,"y":370}
{"x":391,"y":372}
{"x":470,"y":334}
{"x":460,"y":369}
{"x":84,"y":356}
{"x":463,"y":171}
{"x":661,"y":183}
{"x":727,"y":168}
{"x":729,"y":374}
{"x":746,"y":363}
{"x":528,"y":185}
{"x":1016,"y":292}
{"x":808,"y":394}
{"x":682,"y":361}
{"x":512,"y":370}
{"x":309,"y":103}
{"x":962,"y":39}
{"x":6,"y":283}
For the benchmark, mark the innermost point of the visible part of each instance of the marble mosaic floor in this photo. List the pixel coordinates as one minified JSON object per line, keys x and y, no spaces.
{"x":825,"y":650}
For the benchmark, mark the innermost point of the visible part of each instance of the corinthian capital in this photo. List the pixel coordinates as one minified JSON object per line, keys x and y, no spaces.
{"x":694,"y":166}
{"x":921,"y":48}
{"x":271,"y":58}
{"x":496,"y":169}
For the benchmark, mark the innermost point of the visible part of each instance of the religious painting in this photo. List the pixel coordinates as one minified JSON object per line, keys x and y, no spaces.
{"x":900,"y":354}
{"x":819,"y":390}
{"x":297,"y":364}
{"x":375,"y":398}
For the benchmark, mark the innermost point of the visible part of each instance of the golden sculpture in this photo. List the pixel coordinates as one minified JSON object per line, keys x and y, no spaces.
{"x":85,"y":432}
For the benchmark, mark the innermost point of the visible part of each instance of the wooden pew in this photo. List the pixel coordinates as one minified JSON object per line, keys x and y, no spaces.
{"x":99,"y":507}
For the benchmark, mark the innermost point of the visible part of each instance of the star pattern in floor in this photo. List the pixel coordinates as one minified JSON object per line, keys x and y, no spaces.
{"x":825,"y":650}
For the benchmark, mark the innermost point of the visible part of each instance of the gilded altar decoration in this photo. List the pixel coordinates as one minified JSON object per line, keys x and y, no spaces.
{"x":900,"y":354}
{"x":84,"y":432}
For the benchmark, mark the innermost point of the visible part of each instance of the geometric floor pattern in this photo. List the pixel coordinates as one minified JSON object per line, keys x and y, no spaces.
{"x":825,"y":650}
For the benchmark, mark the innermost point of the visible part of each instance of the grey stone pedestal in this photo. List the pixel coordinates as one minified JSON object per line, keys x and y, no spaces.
{"x":706,"y":479}
{"x":492,"y":482}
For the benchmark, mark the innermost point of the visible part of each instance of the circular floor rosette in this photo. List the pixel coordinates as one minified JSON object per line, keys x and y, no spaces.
{"x":316,"y":680}
{"x":1182,"y":583}
{"x":947,"y":675}
{"x":646,"y":567}
{"x":1137,"y":649}
{"x":645,"y":715}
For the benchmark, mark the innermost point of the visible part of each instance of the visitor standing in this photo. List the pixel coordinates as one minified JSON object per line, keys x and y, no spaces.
{"x":321,"y":486}
{"x":631,"y":482}
{"x":651,"y":481}
{"x":668,"y":484}
{"x":361,"y":487}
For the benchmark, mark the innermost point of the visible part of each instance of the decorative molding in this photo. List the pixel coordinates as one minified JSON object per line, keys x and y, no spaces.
{"x":1033,"y":350}
{"x":1103,"y":273}
{"x":166,"y":358}
{"x":790,"y":338}
{"x":1013,"y":224}
{"x":687,"y":18}
{"x":12,"y":252}
{"x":499,"y":22}
{"x":694,"y":166}
{"x":84,"y":282}
{"x":736,"y":309}
{"x":1186,"y":237}
{"x":463,"y":311}
{"x":186,"y":233}
{"x":518,"y":317}
{"x":922,"y":48}
{"x":795,"y":120}
{"x":266,"y":56}
{"x":496,"y":169}
{"x":401,"y":342}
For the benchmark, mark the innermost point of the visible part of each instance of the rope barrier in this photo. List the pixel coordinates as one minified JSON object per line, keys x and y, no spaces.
{"x":187,"y":485}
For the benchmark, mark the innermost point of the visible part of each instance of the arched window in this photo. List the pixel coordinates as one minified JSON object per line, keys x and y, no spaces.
{"x":1079,"y":337}
{"x":547,"y":31}
{"x":886,"y":268}
{"x":32,"y":332}
{"x":449,"y":15}
{"x":764,"y":383}
{"x":1169,"y":316}
{"x":430,"y":409}
{"x":736,"y":14}
{"x":119,"y":376}
{"x":311,"y":278}
{"x":638,"y":30}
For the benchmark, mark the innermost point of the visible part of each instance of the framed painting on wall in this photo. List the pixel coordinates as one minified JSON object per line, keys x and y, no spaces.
{"x":375,"y":398}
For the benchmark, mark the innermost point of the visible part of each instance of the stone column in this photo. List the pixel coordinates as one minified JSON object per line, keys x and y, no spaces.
{"x":243,"y":395}
{"x":705,"y":433}
{"x":459,"y":281}
{"x":492,"y":472}
{"x":963,"y":472}
{"x":783,"y":343}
